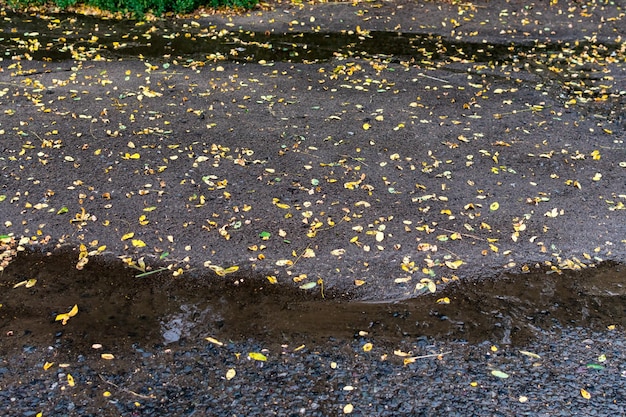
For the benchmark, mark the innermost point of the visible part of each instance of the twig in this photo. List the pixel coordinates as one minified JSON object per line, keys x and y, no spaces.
{"x":299,"y":256}
{"x":432,"y":355}
{"x":421,"y":74}
{"x":151,"y":396}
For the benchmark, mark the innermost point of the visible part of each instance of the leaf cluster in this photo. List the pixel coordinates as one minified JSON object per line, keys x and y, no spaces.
{"x":141,"y":7}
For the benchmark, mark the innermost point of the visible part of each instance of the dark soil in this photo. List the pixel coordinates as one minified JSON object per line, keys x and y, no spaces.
{"x":388,"y":150}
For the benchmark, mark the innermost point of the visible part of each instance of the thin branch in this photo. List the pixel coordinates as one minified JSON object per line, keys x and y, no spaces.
{"x":151,"y":396}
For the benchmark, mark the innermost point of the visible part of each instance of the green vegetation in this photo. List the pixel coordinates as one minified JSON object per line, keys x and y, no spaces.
{"x":141,"y":7}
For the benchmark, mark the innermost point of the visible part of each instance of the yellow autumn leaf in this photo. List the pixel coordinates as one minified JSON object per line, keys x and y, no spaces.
{"x":128,"y":236}
{"x":494,"y":206}
{"x":230,"y":374}
{"x":272,"y":279}
{"x":47,"y":365}
{"x":367,"y":347}
{"x":366,"y":126}
{"x":283,"y":206}
{"x":257,"y":356}
{"x":308,"y":253}
{"x":409,"y":360}
{"x":585,"y":394}
{"x":214,"y":341}
{"x":64,"y":317}
{"x":454,"y":264}
{"x":138,"y":243}
{"x":231,"y":269}
{"x":444,"y":300}
{"x":107,"y":356}
{"x":70,"y":380}
{"x":348,"y":408}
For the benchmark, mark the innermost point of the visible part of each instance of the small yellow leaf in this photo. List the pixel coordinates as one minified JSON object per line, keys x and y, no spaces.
{"x":230,"y":374}
{"x":257,"y":356}
{"x":47,"y":365}
{"x":367,"y":347}
{"x":409,"y":360}
{"x":454,"y":264}
{"x":64,"y":317}
{"x":272,"y":279}
{"x":348,"y":408}
{"x":31,"y":283}
{"x":107,"y":356}
{"x":231,"y":269}
{"x":128,"y":235}
{"x":366,"y":126}
{"x":358,"y":282}
{"x":444,"y":300}
{"x":70,"y":380}
{"x":494,"y":206}
{"x":308,"y":253}
{"x":282,"y":206}
{"x":585,"y":394}
{"x":214,"y":341}
{"x":106,"y":394}
{"x":138,"y":243}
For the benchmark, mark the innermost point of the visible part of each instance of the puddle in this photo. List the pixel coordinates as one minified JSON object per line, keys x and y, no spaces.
{"x":67,"y":36}
{"x":118,"y":310}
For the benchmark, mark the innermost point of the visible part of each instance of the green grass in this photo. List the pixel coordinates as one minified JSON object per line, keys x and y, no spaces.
{"x":141,"y":7}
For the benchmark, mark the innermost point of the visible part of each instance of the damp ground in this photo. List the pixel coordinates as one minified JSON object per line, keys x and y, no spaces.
{"x":314,"y":210}
{"x":154,"y":345}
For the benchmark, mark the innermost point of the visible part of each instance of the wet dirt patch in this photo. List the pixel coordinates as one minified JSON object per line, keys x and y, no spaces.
{"x":118,"y":310}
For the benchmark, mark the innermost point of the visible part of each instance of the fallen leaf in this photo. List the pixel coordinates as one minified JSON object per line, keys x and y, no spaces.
{"x":308,"y":285}
{"x":138,"y":243}
{"x":70,"y":380}
{"x":367,"y":347}
{"x":257,"y":356}
{"x":214,"y":341}
{"x":530,"y":354}
{"x":64,"y":317}
{"x":585,"y":394}
{"x":107,"y":356}
{"x":499,"y":374}
{"x":230,"y":374}
{"x":454,"y":264}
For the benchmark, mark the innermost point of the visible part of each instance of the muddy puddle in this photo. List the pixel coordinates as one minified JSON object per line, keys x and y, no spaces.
{"x":119,"y":310}
{"x":58,"y":37}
